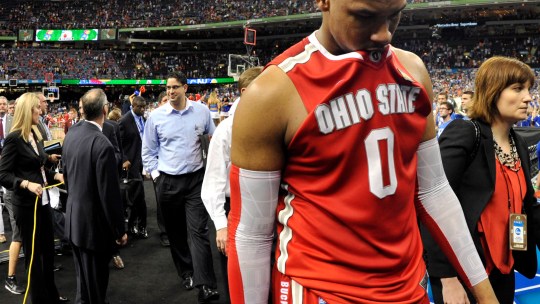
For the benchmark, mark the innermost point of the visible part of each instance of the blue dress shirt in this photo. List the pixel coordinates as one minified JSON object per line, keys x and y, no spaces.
{"x":170,"y":142}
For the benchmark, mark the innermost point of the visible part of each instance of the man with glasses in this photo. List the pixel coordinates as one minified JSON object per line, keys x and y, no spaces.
{"x":171,"y":152}
{"x":446,"y":109}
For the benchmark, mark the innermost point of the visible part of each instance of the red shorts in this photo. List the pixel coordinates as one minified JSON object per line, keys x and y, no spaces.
{"x":287,"y":291}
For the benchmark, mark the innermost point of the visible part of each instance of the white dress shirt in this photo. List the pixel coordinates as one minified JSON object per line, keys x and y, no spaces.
{"x":215,"y":185}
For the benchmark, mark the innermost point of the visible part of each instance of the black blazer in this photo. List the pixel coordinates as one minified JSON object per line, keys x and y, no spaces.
{"x":131,"y":144}
{"x":94,"y":216}
{"x":112,"y":132}
{"x":473,"y":181}
{"x":19,"y":161}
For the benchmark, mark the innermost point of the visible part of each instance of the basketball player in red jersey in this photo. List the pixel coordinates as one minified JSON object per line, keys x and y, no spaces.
{"x":335,"y":141}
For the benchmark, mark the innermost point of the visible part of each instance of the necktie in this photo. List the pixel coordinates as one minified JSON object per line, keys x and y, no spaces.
{"x":2,"y":128}
{"x":141,"y":126}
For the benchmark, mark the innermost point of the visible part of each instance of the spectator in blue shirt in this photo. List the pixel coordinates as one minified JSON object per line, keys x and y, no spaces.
{"x":171,"y":152}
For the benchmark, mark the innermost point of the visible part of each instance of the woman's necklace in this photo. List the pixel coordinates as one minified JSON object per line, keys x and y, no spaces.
{"x":510,"y":160}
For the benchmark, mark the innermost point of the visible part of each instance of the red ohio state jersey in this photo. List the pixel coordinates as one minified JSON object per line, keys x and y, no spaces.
{"x":346,"y":218}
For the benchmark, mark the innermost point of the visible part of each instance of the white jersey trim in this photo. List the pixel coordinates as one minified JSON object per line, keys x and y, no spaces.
{"x":286,"y":234}
{"x":313,"y":39}
{"x":289,"y":63}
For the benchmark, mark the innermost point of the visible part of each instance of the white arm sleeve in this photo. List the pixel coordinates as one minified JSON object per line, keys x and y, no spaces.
{"x":254,"y":197}
{"x":442,"y":214}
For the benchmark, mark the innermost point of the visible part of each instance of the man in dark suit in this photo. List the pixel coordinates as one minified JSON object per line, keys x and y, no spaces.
{"x":112,"y":131}
{"x":131,"y":131}
{"x":94,"y":209}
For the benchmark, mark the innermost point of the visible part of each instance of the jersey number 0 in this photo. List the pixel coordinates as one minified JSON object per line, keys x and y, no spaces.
{"x":380,"y":156}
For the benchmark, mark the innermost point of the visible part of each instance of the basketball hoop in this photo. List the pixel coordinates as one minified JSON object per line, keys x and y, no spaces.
{"x":250,"y":39}
{"x":49,"y":78}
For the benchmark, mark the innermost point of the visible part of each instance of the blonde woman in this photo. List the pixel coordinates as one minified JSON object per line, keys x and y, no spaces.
{"x":22,"y":171}
{"x":214,"y":106}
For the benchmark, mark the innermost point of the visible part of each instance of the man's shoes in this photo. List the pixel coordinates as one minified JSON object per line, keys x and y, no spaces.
{"x":164,"y":240}
{"x":207,"y":294}
{"x":187,"y":281}
{"x":12,"y":286}
{"x":117,"y":262}
{"x":57,"y":267}
{"x":2,"y":238}
{"x":62,"y":299}
{"x":133,"y":230}
{"x":143,"y":234}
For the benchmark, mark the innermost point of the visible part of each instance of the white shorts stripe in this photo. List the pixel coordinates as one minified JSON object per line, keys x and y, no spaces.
{"x":286,"y":234}
{"x":297,"y":293}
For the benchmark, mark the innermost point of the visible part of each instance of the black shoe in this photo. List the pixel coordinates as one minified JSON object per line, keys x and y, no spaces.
{"x":207,"y":294}
{"x":57,"y":267}
{"x":133,"y":230}
{"x":143,"y":234}
{"x":62,"y":299}
{"x":187,"y":282}
{"x":12,"y":286}
{"x":164,"y":240}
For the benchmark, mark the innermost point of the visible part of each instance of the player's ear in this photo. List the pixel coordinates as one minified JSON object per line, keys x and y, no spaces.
{"x":323,"y":5}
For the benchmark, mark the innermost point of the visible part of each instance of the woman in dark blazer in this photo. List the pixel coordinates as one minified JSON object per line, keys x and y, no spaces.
{"x":487,"y":164}
{"x":22,"y":171}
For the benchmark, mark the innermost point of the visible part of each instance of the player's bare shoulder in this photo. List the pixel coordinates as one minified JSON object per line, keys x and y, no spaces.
{"x":415,"y":66}
{"x":261,"y":121}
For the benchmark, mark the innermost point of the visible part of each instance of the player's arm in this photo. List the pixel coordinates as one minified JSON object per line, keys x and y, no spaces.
{"x":257,"y":153}
{"x":445,"y":222}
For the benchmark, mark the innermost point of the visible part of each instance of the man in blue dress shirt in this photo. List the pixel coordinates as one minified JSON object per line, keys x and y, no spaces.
{"x":171,"y":152}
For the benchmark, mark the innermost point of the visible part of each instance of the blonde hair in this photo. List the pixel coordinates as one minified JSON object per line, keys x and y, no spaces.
{"x":24,"y":111}
{"x":248,"y":76}
{"x":213,"y":98}
{"x":493,"y":76}
{"x":115,"y":114}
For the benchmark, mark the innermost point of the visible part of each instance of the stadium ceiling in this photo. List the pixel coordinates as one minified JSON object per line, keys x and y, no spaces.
{"x":299,"y":25}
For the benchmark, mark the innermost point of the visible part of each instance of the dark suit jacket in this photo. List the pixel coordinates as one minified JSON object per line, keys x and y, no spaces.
{"x":131,"y":144}
{"x":473,"y":181}
{"x":94,"y":215}
{"x":19,"y":161}
{"x":112,"y":132}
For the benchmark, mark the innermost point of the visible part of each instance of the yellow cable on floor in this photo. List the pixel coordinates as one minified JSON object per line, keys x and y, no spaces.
{"x":33,"y":241}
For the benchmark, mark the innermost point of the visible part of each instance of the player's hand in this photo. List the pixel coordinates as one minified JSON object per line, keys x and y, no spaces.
{"x":221,"y":240}
{"x":453,"y":292}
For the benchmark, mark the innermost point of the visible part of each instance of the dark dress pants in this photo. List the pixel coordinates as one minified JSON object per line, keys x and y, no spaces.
{"x":42,"y":286}
{"x":159,"y":213}
{"x":182,"y":206}
{"x":223,"y":258}
{"x":92,"y":269}
{"x":138,"y":208}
